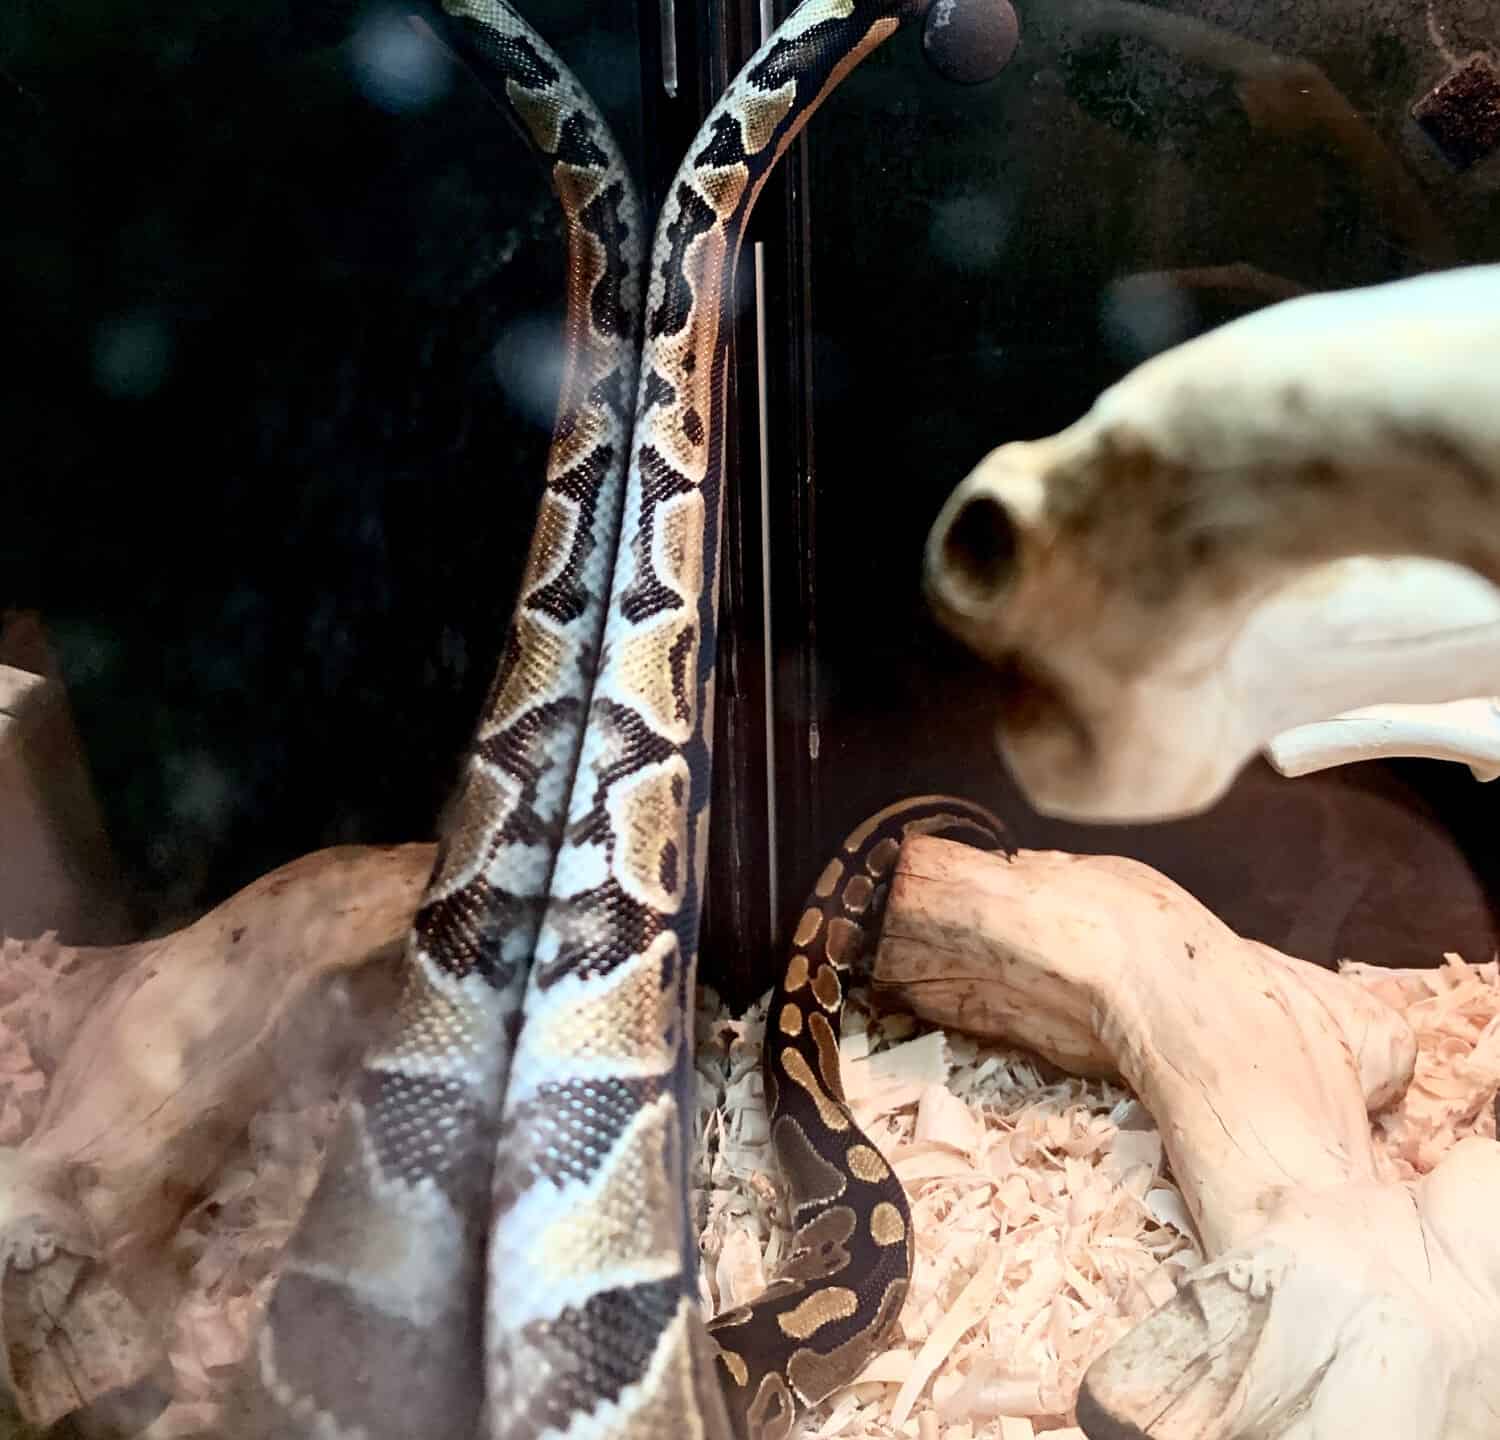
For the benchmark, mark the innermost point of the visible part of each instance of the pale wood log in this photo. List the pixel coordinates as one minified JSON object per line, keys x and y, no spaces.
{"x":58,"y":868}
{"x":1464,"y":731}
{"x":1095,"y":961}
{"x":175,"y":1044}
{"x":1333,"y":1304}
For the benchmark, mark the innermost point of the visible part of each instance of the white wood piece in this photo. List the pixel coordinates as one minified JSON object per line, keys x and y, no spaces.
{"x":1333,"y":1304}
{"x":59,"y":872}
{"x":17,"y":687}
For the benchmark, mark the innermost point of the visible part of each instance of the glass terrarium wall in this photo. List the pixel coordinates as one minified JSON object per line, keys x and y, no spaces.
{"x":960,"y":267}
{"x":288,"y":289}
{"x":288,"y":295}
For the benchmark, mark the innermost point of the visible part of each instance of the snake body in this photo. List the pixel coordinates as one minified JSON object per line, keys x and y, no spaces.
{"x":374,"y":1328}
{"x":836,"y":1296}
{"x":591,"y":1325}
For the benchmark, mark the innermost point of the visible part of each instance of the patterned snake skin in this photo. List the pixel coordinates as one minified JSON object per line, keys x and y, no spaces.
{"x":375,"y":1325}
{"x":590,"y":1309}
{"x":841,"y":1287}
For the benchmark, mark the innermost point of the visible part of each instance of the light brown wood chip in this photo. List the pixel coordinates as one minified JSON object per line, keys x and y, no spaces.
{"x":1046,"y":1224}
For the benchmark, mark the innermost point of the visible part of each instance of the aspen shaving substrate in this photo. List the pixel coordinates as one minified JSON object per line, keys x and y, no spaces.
{"x":1046,"y":1222}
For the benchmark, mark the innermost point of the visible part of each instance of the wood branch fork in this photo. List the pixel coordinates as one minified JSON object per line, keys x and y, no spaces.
{"x":1333,"y":1303}
{"x":160,"y":1053}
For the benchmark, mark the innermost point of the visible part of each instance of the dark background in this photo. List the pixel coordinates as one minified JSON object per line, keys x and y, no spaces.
{"x":972,"y":255}
{"x":284,"y":293}
{"x":284,"y":288}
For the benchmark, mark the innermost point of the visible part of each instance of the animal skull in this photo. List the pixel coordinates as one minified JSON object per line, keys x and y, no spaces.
{"x":1287,"y":518}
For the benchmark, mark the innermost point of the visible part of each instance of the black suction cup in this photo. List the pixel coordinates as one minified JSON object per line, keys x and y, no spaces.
{"x":970,"y":41}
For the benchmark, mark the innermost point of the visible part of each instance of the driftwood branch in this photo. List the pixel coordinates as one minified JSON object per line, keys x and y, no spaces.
{"x":162,"y":1053}
{"x":1103,"y":966}
{"x":1333,"y":1304}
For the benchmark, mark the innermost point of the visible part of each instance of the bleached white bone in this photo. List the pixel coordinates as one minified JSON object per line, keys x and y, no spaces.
{"x":1152,"y":579}
{"x":1465,"y":731}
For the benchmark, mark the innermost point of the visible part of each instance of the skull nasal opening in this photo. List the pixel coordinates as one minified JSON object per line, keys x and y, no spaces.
{"x":977,"y":554}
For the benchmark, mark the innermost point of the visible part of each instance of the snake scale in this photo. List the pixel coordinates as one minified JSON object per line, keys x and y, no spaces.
{"x":534,"y":1103}
{"x":376,"y":1322}
{"x":838,"y":1292}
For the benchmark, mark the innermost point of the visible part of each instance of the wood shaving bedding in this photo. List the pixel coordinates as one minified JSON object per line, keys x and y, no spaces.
{"x":1043,"y":1230}
{"x":29,"y":971}
{"x":1046,"y":1222}
{"x":229,"y":1247}
{"x":1455,"y":1012}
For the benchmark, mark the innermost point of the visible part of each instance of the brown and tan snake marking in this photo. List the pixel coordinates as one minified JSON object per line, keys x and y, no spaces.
{"x":832,"y":1306}
{"x":375,"y":1326}
{"x":590,"y":1325}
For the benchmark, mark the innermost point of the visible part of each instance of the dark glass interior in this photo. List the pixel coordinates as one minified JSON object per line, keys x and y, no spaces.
{"x":982,"y":262}
{"x":286,"y":292}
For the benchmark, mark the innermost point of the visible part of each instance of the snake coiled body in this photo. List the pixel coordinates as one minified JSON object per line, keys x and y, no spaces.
{"x":591,"y":1326}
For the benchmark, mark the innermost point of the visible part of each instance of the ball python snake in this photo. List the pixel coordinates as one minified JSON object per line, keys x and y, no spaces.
{"x":542,"y":1044}
{"x":375,"y":1324}
{"x":838,"y":1293}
